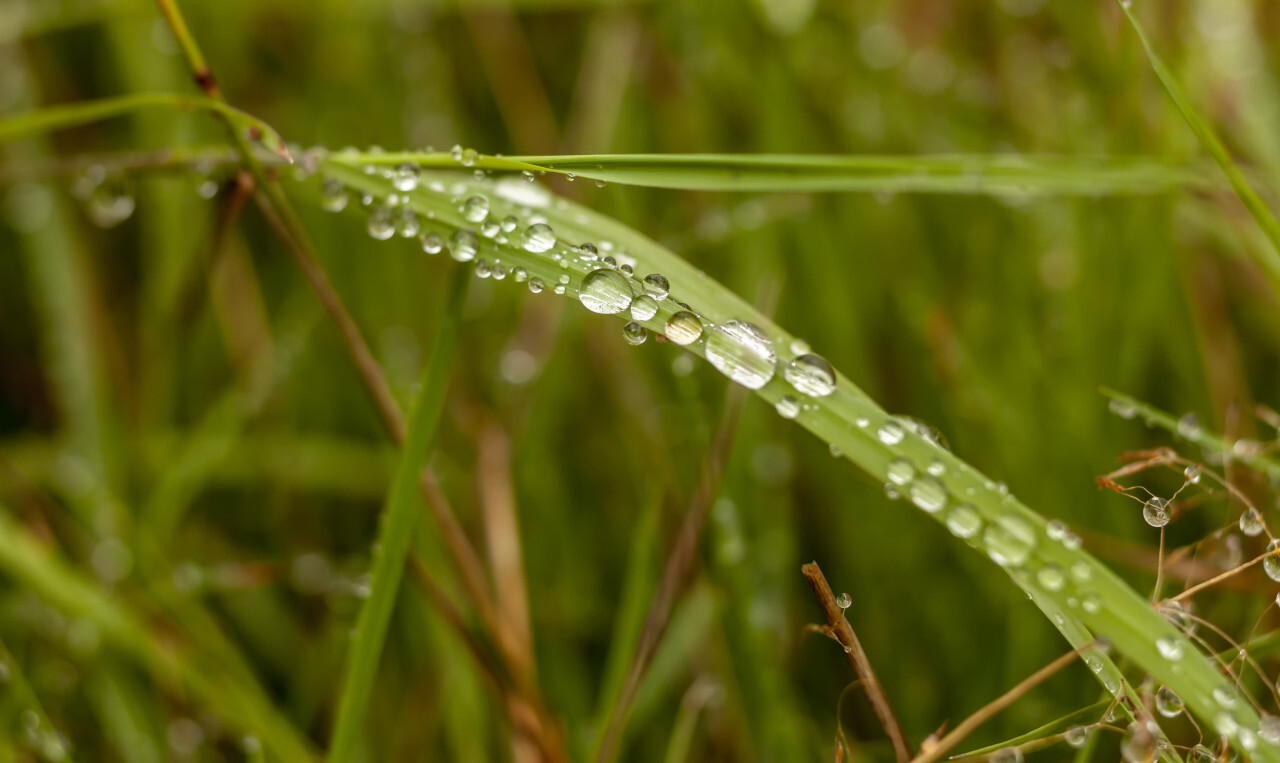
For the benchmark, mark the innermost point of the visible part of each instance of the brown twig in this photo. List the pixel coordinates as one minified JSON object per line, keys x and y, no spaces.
{"x":676,"y":570}
{"x":843,"y":632}
{"x":991,"y":709}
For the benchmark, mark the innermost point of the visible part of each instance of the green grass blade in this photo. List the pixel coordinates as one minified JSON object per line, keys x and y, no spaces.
{"x":1201,"y":436}
{"x":1042,"y":560}
{"x":1269,"y":259}
{"x":395,"y":534}
{"x":1082,"y":717}
{"x":958,"y":174}
{"x":77,"y":114}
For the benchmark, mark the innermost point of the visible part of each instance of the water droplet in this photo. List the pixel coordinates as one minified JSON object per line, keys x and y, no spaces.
{"x":891,"y":491}
{"x":464,"y":246}
{"x":333,"y":195}
{"x":1156,"y":512}
{"x":788,"y":407}
{"x":1009,"y":540}
{"x":1076,"y":736}
{"x":587,"y":252}
{"x":467,"y":156}
{"x":890,"y":433}
{"x":1122,"y":409}
{"x":901,"y":471}
{"x":381,"y":225}
{"x":1178,"y":614}
{"x":475,"y":209}
{"x":811,"y":375}
{"x":1200,"y":753}
{"x":539,"y":238}
{"x":407,"y":223}
{"x":405,"y":177}
{"x":1271,"y":565}
{"x":1091,"y":604}
{"x":1007,"y":755}
{"x":964,"y":521}
{"x":1168,"y":703}
{"x":519,"y":274}
{"x":1224,"y":696}
{"x":536,"y":285}
{"x":483,"y":269}
{"x":1251,"y":522}
{"x":432,"y":243}
{"x":1140,"y":745}
{"x":1193,"y":473}
{"x":929,"y":494}
{"x":643,"y":307}
{"x":844,"y":601}
{"x":742,"y":352}
{"x":633,"y":333}
{"x":936,"y":467}
{"x":1051,"y":577}
{"x":1269,"y":729}
{"x":1225,"y":724}
{"x":683,"y":328}
{"x":605,"y":291}
{"x":1169,"y":648}
{"x":559,"y":288}
{"x":835,"y":450}
{"x":1189,"y":426}
{"x":657,"y":286}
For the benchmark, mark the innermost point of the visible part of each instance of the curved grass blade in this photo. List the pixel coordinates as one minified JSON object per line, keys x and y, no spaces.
{"x":787,"y":173}
{"x":1082,"y":717}
{"x":1084,"y":599}
{"x":1269,"y":259}
{"x":1199,"y":435}
{"x":395,"y":533}
{"x":77,"y":114}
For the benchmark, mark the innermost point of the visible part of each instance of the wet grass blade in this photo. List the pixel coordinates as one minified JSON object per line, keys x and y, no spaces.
{"x":395,"y":533}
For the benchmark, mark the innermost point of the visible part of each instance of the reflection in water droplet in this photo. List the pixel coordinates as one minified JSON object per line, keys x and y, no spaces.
{"x":964,"y":521}
{"x":539,"y":238}
{"x":1009,"y":540}
{"x":683,"y":328}
{"x":811,"y":375}
{"x":657,"y":286}
{"x":644,"y":307}
{"x":464,"y":246}
{"x":929,"y":494}
{"x":381,"y":226}
{"x":788,"y":407}
{"x":604,"y":291}
{"x":742,"y":352}
{"x":633,"y":333}
{"x":890,"y":433}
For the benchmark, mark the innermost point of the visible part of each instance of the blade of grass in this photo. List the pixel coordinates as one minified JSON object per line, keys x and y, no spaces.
{"x":1268,"y":259}
{"x":395,"y":533}
{"x":1082,"y":717}
{"x":965,"y":174}
{"x":1083,"y":598}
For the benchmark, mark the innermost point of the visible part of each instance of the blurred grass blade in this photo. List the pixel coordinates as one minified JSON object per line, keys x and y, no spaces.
{"x":395,"y":534}
{"x":23,"y":558}
{"x":778,"y":173}
{"x":77,"y":114}
{"x":1254,"y":457}
{"x":1082,"y":717}
{"x":1269,"y":259}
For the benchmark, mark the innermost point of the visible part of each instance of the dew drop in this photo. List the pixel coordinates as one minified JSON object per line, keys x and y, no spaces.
{"x":605,"y":291}
{"x":929,"y":494}
{"x":1178,"y":614}
{"x":1189,"y":426}
{"x":1156,"y":512}
{"x":381,"y":225}
{"x":1201,"y":754}
{"x":936,"y":468}
{"x":483,"y":269}
{"x":811,"y":375}
{"x":1169,"y":648}
{"x":1271,"y":565}
{"x":333,"y":195}
{"x":1251,"y":522}
{"x":901,"y":471}
{"x":1076,"y":737}
{"x":1091,"y":604}
{"x":539,"y":238}
{"x":405,"y":177}
{"x":536,"y":285}
{"x":468,"y":157}
{"x":499,"y":271}
{"x":475,"y":209}
{"x":587,"y":252}
{"x":407,"y":222}
{"x":835,"y":450}
{"x":742,"y":352}
{"x":656,"y":286}
{"x":432,"y":243}
{"x":633,"y":333}
{"x":1193,"y":473}
{"x":788,"y":407}
{"x":1007,"y":755}
{"x":1269,"y":729}
{"x":890,"y":433}
{"x":891,"y":491}
{"x":844,"y":601}
{"x":683,"y":328}
{"x":1051,"y":578}
{"x":559,"y":288}
{"x":464,"y":246}
{"x":1168,"y":703}
{"x":1122,"y":409}
{"x":1009,"y":540}
{"x":964,"y":521}
{"x":643,"y":307}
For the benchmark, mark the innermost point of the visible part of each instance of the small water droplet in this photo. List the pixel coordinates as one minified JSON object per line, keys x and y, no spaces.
{"x":1169,"y":648}
{"x":1076,"y":736}
{"x":633,"y":333}
{"x":1168,"y":703}
{"x":1193,"y":473}
{"x":891,"y":491}
{"x":1009,"y":540}
{"x":742,"y":352}
{"x":405,"y":177}
{"x":1122,"y":409}
{"x":1269,"y":729}
{"x":468,"y":157}
{"x":560,"y":288}
{"x":890,"y":433}
{"x":788,"y":407}
{"x":604,"y":291}
{"x":333,"y":195}
{"x":464,"y":246}
{"x":811,"y":375}
{"x":844,"y":601}
{"x":381,"y":225}
{"x":432,"y":243}
{"x":936,"y":468}
{"x":683,"y":328}
{"x":1251,"y":522}
{"x":929,"y":494}
{"x":519,"y":274}
{"x":964,"y":521}
{"x":539,"y":238}
{"x":656,"y":286}
{"x":835,"y":450}
{"x":483,"y":269}
{"x":587,"y":252}
{"x":1201,"y":754}
{"x":475,"y":209}
{"x":1271,"y":565}
{"x":1189,"y":426}
{"x":643,"y":307}
{"x":901,"y":471}
{"x":536,"y":285}
{"x":1051,"y":578}
{"x":407,"y":222}
{"x":1156,"y":512}
{"x":1007,"y":755}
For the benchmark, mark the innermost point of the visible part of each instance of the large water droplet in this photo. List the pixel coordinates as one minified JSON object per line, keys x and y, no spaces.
{"x":901,"y":471}
{"x":1156,"y":512}
{"x":683,"y":328}
{"x":1007,"y":755}
{"x":605,"y":291}
{"x":1076,"y":736}
{"x":1251,"y":522}
{"x":475,"y":209}
{"x":1269,"y":729}
{"x":742,"y":352}
{"x":644,"y":307}
{"x":844,"y":601}
{"x":1168,"y":703}
{"x":539,"y":238}
{"x":1169,"y":648}
{"x":929,"y":494}
{"x":811,"y":375}
{"x":1009,"y":540}
{"x":381,"y":224}
{"x":657,"y":286}
{"x":464,"y":246}
{"x":964,"y":521}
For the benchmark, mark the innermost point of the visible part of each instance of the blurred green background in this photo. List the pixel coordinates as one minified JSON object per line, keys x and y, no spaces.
{"x":132,"y":357}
